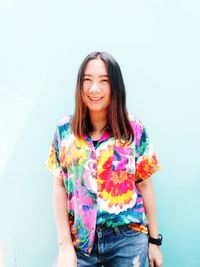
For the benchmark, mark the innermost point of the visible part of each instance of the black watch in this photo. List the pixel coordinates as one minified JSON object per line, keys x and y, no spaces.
{"x":156,"y":241}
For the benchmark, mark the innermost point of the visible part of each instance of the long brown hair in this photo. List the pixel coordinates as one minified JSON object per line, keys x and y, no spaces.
{"x":118,"y":123}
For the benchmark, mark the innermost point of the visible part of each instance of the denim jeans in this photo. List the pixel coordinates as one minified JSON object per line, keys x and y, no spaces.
{"x":116,"y":247}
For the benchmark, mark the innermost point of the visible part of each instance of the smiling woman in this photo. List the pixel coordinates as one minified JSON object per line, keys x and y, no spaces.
{"x":102,"y":160}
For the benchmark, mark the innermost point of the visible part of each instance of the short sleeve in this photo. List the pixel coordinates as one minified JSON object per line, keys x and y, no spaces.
{"x":53,"y":159}
{"x":146,"y":160}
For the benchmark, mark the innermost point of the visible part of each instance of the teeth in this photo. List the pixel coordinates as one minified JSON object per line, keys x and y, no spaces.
{"x":93,"y":98}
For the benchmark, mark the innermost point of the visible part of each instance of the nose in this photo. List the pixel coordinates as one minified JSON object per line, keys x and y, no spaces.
{"x":94,"y":87}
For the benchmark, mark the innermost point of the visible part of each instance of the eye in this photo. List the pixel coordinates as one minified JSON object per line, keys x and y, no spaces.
{"x":104,"y":81}
{"x":87,"y":81}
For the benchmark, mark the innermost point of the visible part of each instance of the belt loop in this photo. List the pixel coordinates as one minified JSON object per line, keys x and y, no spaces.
{"x":116,"y":229}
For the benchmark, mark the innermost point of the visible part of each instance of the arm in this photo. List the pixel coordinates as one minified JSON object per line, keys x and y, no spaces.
{"x":60,"y":212}
{"x":147,"y":192}
{"x":67,"y":255}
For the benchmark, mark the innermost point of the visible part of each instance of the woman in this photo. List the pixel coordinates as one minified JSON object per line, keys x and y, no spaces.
{"x":102,"y":160}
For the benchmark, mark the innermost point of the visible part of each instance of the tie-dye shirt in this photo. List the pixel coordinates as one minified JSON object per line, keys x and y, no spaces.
{"x":101,"y":181}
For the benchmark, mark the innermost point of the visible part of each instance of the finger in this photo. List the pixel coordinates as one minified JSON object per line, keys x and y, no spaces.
{"x":158,"y":263}
{"x":151,"y":263}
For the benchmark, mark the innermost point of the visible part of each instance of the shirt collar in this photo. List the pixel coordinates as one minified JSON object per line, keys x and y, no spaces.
{"x":105,"y":136}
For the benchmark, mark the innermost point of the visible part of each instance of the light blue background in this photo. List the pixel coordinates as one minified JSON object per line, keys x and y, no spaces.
{"x":42,"y":45}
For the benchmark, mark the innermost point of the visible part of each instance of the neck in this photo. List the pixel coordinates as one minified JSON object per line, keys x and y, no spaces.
{"x":98,"y":120}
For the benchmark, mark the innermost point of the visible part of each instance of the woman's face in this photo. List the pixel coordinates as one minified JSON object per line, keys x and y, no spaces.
{"x":96,"y":86}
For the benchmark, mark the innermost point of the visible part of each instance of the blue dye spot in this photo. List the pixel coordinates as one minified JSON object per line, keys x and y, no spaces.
{"x":85,"y":208}
{"x":117,"y":155}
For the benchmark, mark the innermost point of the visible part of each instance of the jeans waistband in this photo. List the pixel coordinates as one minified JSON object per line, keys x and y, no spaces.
{"x":116,"y":229}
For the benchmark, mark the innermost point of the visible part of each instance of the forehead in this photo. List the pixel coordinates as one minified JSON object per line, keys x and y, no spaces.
{"x":96,"y":67}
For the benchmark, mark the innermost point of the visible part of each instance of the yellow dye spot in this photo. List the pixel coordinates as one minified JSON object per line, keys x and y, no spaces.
{"x":117,"y":200}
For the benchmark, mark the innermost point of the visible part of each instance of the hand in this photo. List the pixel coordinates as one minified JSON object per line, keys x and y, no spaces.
{"x":67,"y":256}
{"x":155,"y":256}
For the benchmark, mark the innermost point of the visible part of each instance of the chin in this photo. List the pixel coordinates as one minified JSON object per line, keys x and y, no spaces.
{"x":95,"y":109}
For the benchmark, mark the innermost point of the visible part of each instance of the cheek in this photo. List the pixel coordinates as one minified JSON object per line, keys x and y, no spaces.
{"x":109,"y":95}
{"x":83,"y":91}
{"x":83,"y":97}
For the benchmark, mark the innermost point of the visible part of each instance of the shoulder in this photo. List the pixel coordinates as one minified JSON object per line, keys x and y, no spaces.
{"x":138,"y":128}
{"x":64,"y":121}
{"x":136,"y":123}
{"x":64,"y":126}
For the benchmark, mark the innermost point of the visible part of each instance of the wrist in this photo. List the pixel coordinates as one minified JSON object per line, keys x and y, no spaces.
{"x":156,"y":241}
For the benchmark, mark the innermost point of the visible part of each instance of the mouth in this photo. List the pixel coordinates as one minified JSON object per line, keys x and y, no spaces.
{"x":95,"y":99}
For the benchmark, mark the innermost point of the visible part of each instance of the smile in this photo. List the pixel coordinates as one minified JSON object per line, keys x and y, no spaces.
{"x":95,"y":98}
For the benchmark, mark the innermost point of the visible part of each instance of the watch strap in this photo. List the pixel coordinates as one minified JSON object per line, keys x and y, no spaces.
{"x":156,"y":241}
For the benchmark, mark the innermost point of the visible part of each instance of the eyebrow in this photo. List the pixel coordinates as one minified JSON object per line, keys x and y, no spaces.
{"x":98,"y":76}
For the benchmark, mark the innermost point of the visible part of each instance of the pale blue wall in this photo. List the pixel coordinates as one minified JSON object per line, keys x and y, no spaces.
{"x":42,"y":44}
